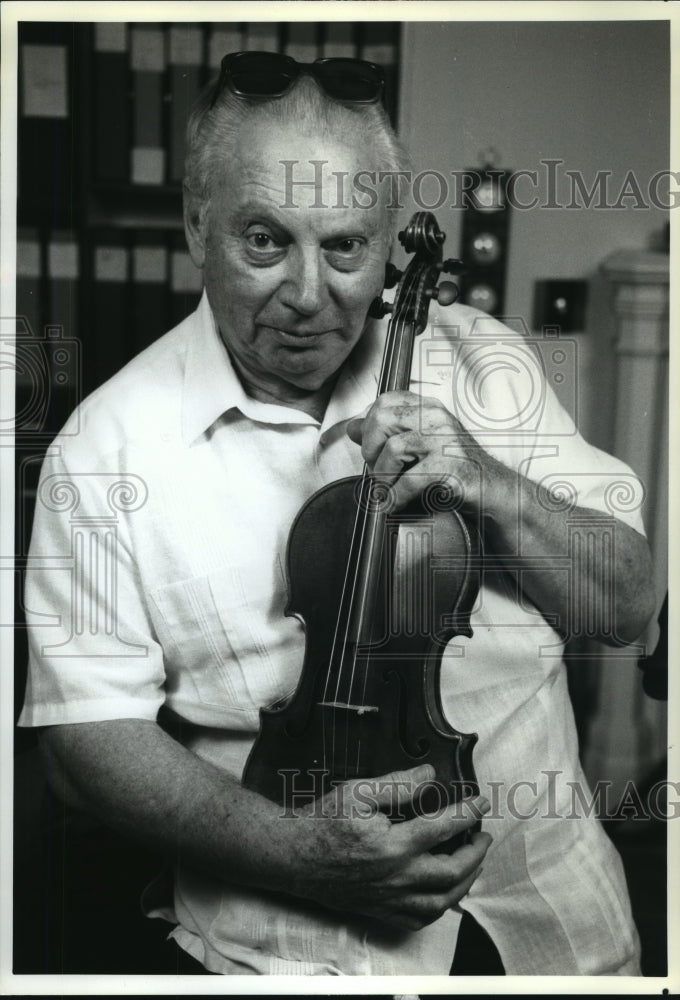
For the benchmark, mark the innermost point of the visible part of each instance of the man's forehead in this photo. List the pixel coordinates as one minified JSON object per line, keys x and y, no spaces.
{"x":281,"y":169}
{"x":272,"y":149}
{"x":285,"y":139}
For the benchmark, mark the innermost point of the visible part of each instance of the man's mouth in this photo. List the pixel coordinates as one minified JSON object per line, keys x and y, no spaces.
{"x":299,"y":338}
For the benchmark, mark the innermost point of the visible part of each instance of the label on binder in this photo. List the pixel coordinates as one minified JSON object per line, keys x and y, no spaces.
{"x":45,"y":86}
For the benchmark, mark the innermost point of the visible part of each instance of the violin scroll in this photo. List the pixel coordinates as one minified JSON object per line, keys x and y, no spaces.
{"x":422,"y":235}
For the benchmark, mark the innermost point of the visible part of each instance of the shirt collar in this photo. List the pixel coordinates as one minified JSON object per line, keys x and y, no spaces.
{"x":357,"y":383}
{"x":212,"y":387}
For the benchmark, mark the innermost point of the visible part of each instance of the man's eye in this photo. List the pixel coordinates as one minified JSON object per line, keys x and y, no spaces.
{"x":260,"y":241}
{"x":348,"y":247}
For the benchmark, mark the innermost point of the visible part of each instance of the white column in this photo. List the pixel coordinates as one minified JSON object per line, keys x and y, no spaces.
{"x":628,"y":733}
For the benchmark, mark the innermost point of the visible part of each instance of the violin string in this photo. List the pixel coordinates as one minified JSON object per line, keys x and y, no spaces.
{"x":344,"y":619}
{"x":366,"y":522}
{"x":403,"y":345}
{"x":376,"y":537}
{"x":385,"y":365}
{"x":344,"y":612}
{"x":396,"y":346}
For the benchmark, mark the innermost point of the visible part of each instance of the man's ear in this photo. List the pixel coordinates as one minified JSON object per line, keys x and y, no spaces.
{"x":193,"y":226}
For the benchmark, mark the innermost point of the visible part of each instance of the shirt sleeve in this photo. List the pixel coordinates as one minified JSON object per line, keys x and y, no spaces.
{"x":500,"y":386}
{"x":93,"y":655}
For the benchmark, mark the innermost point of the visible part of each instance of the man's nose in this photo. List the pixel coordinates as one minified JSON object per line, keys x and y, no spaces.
{"x":304,"y":287}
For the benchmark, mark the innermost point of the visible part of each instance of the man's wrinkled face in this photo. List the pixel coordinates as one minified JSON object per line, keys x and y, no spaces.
{"x":290,"y":286}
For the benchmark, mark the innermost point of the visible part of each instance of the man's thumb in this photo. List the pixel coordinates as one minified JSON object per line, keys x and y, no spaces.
{"x":355,"y":426}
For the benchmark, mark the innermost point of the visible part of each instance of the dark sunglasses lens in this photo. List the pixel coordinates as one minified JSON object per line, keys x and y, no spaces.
{"x":261,"y":74}
{"x":350,"y":81}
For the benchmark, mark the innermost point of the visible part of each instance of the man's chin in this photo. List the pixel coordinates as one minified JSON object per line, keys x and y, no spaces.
{"x":311,"y":381}
{"x":305,"y":372}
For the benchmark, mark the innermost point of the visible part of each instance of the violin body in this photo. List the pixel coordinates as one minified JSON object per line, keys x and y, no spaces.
{"x":380,"y":593}
{"x":389,"y":715}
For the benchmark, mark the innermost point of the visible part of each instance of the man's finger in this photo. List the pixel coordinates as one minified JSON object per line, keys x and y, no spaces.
{"x":399,"y":451}
{"x":383,"y":424}
{"x":422,"y":905}
{"x":355,"y":426}
{"x":442,"y":872}
{"x":389,"y":790}
{"x":354,"y":429}
{"x":462,"y":889}
{"x":466,"y":860}
{"x":425,"y":832}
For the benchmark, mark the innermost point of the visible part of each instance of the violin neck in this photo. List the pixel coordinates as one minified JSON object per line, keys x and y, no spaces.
{"x":395,"y":374}
{"x":366,"y":559}
{"x":361,"y":614}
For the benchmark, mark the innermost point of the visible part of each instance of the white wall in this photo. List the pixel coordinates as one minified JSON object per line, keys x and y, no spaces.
{"x":594,"y":95}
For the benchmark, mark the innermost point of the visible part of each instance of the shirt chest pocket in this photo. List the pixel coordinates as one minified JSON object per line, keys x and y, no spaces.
{"x":226,"y":642}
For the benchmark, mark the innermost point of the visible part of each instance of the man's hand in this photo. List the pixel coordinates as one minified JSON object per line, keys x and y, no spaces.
{"x":412,"y":441}
{"x":349,"y":856}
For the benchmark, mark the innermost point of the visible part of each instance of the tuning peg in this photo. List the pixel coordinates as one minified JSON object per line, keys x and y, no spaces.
{"x":453,"y":266}
{"x":392,"y":275}
{"x":445,"y":294}
{"x":378,"y":308}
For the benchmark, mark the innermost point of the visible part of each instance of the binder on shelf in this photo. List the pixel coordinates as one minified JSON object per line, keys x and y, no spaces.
{"x":62,"y":333}
{"x":149,"y":288}
{"x":111,"y":126}
{"x":186,"y":280}
{"x":379,"y":44}
{"x":147,"y":60}
{"x":338,"y":42}
{"x":32,"y":371}
{"x":29,"y":304}
{"x":301,"y":41}
{"x":261,"y":36}
{"x":110,"y":309}
{"x":185,"y":51}
{"x":63,"y":271}
{"x":223,"y":38}
{"x":47,"y":127}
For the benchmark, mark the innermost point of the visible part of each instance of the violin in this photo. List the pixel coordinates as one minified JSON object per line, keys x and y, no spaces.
{"x":380,"y":593}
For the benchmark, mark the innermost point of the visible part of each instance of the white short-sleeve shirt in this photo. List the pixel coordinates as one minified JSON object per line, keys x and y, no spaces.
{"x":157,"y":578}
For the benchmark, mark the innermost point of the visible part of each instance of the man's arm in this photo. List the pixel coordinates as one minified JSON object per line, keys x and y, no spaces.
{"x":411,"y":441}
{"x":610,"y":571}
{"x":136,"y":778}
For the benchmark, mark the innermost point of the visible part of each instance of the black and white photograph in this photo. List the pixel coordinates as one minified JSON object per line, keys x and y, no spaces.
{"x":335,"y":498}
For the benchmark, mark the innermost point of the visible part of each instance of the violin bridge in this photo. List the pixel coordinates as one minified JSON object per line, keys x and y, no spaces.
{"x":359,"y":709}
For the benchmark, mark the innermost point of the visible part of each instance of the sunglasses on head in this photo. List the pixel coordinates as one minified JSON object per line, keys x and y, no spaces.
{"x":271,"y":74}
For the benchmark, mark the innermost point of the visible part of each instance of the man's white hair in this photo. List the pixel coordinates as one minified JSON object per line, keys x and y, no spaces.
{"x":212,"y":133}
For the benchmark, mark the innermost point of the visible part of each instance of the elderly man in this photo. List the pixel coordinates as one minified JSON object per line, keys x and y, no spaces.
{"x":225,"y":427}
